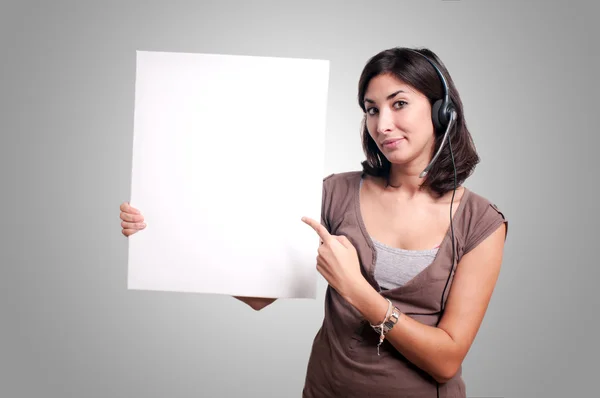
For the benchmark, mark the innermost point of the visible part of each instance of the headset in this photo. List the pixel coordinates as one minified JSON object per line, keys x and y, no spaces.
{"x":443,"y":114}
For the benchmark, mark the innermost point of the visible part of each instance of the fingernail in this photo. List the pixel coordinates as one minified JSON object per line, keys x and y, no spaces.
{"x":143,"y":225}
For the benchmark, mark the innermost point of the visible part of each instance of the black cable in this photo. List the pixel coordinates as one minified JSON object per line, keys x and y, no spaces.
{"x":442,"y":306}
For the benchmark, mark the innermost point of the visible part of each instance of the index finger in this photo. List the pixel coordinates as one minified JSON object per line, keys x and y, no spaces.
{"x":127,"y":208}
{"x":318,"y":227}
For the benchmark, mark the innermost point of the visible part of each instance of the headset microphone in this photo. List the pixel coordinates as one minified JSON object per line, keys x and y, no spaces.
{"x":444,"y":138}
{"x":443,"y":113}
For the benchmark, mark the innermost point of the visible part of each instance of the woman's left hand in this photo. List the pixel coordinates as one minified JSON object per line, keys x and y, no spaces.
{"x":337,"y":260}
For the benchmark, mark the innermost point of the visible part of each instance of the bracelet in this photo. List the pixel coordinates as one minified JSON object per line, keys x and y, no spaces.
{"x":391,"y":318}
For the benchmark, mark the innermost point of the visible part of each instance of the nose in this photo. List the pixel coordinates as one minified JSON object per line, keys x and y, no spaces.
{"x":384,"y":122}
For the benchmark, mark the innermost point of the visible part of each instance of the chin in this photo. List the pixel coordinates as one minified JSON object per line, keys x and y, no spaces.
{"x":404,"y":156}
{"x":396,"y":157}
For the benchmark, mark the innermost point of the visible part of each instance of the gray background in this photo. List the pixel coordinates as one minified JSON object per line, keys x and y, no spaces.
{"x":70,"y":328}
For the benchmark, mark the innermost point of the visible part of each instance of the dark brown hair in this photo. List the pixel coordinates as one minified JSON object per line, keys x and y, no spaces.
{"x":415,"y":71}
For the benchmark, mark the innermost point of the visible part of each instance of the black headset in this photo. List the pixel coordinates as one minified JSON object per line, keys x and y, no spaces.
{"x":443,"y":114}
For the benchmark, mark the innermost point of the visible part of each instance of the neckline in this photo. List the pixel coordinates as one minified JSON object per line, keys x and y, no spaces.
{"x":399,"y":250}
{"x":410,"y":285}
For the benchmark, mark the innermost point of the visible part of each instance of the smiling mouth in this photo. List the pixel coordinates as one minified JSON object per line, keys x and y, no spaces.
{"x":391,"y":142}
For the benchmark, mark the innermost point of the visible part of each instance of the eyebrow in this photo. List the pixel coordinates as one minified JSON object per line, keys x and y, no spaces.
{"x":389,"y":97}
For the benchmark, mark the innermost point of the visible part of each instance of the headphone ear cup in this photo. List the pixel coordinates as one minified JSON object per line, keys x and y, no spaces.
{"x":436,"y":114}
{"x":440,"y":114}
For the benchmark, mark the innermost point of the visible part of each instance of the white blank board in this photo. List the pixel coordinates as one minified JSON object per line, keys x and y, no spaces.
{"x":228,"y":155}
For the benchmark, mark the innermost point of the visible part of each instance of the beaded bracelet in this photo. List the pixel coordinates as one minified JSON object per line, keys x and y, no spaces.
{"x":380,"y":328}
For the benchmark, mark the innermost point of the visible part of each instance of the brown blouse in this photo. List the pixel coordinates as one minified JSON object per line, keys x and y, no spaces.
{"x":344,"y":360}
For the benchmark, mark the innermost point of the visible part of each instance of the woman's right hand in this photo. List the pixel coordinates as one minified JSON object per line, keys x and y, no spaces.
{"x":132,"y":219}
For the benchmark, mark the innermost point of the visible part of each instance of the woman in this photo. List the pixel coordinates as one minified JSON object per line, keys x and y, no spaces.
{"x":411,"y":256}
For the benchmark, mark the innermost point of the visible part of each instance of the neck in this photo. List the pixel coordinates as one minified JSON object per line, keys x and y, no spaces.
{"x":406,"y":179}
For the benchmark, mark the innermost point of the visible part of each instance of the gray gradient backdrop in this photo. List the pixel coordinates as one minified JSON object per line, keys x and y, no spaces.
{"x":70,"y":328}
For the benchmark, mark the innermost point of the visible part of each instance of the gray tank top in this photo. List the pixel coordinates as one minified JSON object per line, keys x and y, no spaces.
{"x":395,"y":267}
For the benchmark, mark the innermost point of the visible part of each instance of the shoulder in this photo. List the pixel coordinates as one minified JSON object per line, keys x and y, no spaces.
{"x":477,"y":206}
{"x":339,"y":194}
{"x":479,"y":218}
{"x":341,"y":180}
{"x":338,"y":186}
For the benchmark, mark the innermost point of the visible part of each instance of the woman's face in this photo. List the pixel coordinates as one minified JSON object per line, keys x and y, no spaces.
{"x":398,"y":119}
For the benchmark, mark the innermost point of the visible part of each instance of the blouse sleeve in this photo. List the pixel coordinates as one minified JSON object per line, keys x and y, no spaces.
{"x":489,"y":220}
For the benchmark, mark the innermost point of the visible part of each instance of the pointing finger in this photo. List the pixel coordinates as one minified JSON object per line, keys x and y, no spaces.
{"x":318,"y":227}
{"x":344,"y":241}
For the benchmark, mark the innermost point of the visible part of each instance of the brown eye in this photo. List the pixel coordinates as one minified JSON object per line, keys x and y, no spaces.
{"x":372,"y":111}
{"x":399,"y":104}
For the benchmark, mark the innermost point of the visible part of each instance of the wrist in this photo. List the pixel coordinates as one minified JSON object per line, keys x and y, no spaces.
{"x":356,"y":290}
{"x":372,"y":305}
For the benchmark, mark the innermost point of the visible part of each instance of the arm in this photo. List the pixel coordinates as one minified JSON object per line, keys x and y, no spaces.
{"x":440,"y":350}
{"x":257,"y":303}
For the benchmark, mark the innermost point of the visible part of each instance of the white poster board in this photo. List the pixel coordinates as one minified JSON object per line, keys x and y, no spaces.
{"x":228,"y":155}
